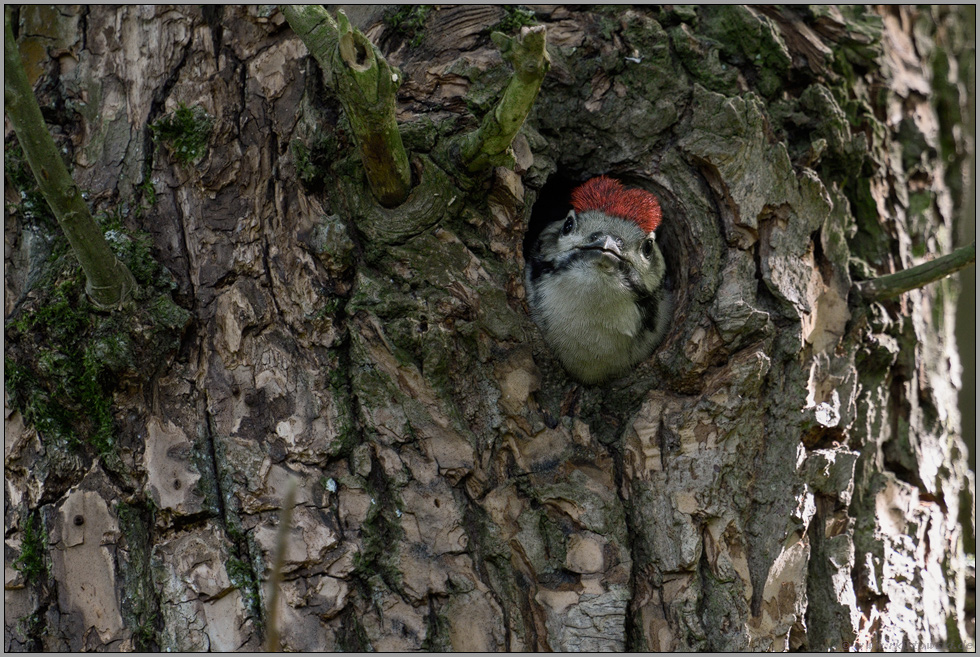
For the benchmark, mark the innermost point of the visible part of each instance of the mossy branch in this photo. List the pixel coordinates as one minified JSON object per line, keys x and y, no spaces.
{"x":891,"y":285}
{"x":489,"y":145}
{"x":318,"y":30}
{"x":366,"y":86}
{"x":108,"y":281}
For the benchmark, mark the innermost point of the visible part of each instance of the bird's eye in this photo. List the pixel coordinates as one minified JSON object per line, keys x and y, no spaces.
{"x":647,"y":247}
{"x":568,"y":226}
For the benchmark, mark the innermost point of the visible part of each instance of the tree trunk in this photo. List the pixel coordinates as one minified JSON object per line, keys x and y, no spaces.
{"x":785,"y":472}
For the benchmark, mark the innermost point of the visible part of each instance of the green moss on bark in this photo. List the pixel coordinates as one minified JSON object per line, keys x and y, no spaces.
{"x":33,"y":562}
{"x":376,"y":565}
{"x":185,"y":132}
{"x":140,"y":607}
{"x":65,"y":358}
{"x":408,"y":21}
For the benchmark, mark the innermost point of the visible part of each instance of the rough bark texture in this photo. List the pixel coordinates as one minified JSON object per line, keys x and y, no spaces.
{"x":778,"y":475}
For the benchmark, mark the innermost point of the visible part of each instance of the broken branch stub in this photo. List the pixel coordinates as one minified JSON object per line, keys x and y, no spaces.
{"x":366,"y":86}
{"x":108,"y":281}
{"x":489,"y":145}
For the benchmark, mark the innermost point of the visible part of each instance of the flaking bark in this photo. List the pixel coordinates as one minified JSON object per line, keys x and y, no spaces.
{"x":776,"y":476}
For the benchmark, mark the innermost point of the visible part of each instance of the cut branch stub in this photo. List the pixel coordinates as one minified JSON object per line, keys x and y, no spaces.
{"x":317,"y":29}
{"x":108,"y":281}
{"x":366,"y":86}
{"x":489,"y":145}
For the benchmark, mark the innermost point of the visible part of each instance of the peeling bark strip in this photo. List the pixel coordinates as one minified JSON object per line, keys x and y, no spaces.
{"x":108,"y":281}
{"x":776,"y":476}
{"x":366,"y":85}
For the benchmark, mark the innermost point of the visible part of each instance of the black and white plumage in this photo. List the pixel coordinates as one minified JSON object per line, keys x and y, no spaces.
{"x":595,"y":282}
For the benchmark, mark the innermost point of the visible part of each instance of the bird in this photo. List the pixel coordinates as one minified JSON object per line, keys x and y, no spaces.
{"x":595,"y":281}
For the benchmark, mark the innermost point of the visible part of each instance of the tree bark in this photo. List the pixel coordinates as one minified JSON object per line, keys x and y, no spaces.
{"x":783,"y":473}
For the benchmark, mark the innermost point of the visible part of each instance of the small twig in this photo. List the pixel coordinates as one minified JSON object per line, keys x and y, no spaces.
{"x":275,"y":577}
{"x":366,"y":86}
{"x":490,"y":144}
{"x":108,"y":281}
{"x":891,"y":285}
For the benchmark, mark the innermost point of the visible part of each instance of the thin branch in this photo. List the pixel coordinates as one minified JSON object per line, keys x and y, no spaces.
{"x":275,"y":577}
{"x":108,"y":281}
{"x":490,"y":144}
{"x":892,"y":285}
{"x":366,"y":86}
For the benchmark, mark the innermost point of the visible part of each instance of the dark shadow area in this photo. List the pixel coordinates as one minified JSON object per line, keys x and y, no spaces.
{"x":553,"y":203}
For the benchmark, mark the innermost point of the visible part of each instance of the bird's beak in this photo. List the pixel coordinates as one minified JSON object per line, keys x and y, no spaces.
{"x":609,"y":244}
{"x":606,"y":244}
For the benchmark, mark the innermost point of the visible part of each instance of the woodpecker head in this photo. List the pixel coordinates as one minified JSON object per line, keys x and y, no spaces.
{"x":595,"y":281}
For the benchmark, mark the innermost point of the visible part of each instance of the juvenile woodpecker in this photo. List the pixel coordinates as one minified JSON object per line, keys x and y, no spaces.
{"x":595,"y":281}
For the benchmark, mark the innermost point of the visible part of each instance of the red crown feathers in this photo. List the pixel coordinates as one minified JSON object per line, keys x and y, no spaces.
{"x":609,"y":196}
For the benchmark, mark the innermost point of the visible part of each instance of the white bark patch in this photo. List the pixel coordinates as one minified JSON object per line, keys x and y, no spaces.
{"x":84,"y":566}
{"x":235,"y":313}
{"x":224,"y":616}
{"x":269,"y":68}
{"x":171,"y":481}
{"x":828,"y":414}
{"x":474,"y":623}
{"x":783,"y":599}
{"x":518,"y":377}
{"x":330,"y":594}
{"x":824,"y":326}
{"x":585,"y":553}
{"x":504,"y":507}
